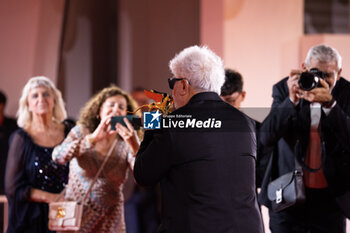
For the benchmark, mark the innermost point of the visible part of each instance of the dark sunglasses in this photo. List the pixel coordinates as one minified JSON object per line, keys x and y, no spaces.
{"x":172,"y":82}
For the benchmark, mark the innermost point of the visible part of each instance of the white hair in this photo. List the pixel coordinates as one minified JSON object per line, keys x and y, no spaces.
{"x":323,"y":54}
{"x":201,"y":67}
{"x":24,"y":116}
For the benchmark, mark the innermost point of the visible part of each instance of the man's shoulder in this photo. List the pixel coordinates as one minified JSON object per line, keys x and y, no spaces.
{"x":281,"y":83}
{"x":209,"y":107}
{"x":201,"y":105}
{"x":280,"y":88}
{"x":342,"y":89}
{"x":344,"y":83}
{"x":211,"y":113}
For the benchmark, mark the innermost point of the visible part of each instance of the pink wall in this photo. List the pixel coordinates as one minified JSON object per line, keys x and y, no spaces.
{"x":48,"y":38}
{"x":18,"y":26}
{"x":77,"y":58}
{"x":28,"y":44}
{"x":151,"y":33}
{"x":261,"y":40}
{"x":212,"y":25}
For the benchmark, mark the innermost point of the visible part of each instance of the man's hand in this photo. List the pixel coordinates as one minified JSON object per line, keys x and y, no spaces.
{"x":293,"y":86}
{"x":318,"y":94}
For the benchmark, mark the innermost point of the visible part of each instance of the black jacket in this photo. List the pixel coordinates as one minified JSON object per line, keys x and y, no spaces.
{"x":286,"y":124}
{"x":207,"y":175}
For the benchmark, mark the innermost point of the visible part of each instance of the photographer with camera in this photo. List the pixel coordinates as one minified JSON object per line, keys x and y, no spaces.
{"x":309,"y":126}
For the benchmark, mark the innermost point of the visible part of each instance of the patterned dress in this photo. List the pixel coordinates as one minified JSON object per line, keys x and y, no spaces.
{"x":104,"y":207}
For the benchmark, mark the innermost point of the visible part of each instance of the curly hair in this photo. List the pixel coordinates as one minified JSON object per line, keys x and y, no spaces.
{"x":89,"y":115}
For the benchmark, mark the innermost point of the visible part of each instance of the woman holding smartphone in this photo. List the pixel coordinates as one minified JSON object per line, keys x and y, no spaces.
{"x":86,"y":146}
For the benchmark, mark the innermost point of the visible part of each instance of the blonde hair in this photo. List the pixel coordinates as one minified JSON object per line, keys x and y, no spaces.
{"x":24,"y":116}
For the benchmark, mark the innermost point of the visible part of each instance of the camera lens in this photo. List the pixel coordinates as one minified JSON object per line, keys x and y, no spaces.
{"x":307,"y":81}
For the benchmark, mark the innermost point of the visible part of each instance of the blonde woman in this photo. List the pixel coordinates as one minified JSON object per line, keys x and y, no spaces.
{"x":86,"y":146}
{"x":33,"y":179}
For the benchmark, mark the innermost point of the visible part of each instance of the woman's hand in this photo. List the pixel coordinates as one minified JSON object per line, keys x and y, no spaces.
{"x":129,"y":135}
{"x":38,"y":195}
{"x":102,"y":131}
{"x":53,"y":197}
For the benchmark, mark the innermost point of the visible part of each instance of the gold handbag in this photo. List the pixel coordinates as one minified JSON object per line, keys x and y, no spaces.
{"x":67,"y":215}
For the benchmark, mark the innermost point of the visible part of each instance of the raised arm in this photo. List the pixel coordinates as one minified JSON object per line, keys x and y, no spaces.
{"x":280,"y":119}
{"x":76,"y":144}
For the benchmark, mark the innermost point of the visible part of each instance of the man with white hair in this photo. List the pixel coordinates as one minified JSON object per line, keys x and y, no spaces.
{"x":204,"y":154}
{"x":309,"y":126}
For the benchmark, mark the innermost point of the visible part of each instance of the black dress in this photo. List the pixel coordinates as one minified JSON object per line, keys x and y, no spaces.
{"x":31,"y":166}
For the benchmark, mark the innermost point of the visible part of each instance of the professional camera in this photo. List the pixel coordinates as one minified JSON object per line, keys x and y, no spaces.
{"x":310,"y":79}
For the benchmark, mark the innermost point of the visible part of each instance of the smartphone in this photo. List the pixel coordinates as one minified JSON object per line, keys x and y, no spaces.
{"x":134,"y":120}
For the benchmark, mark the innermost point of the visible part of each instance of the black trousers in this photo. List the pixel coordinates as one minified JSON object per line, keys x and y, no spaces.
{"x":319,"y":214}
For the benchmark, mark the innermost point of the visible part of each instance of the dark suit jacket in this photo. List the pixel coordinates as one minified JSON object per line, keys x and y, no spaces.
{"x":207,"y":175}
{"x":286,"y":124}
